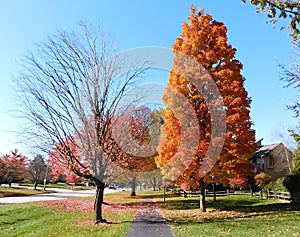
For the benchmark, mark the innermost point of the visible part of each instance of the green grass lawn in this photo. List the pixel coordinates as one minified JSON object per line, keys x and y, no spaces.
{"x":32,"y":219}
{"x":15,"y":192}
{"x":39,"y":219}
{"x":60,"y":185}
{"x":236,"y":215}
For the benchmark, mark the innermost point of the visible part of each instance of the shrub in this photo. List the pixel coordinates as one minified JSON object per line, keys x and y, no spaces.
{"x":276,"y":185}
{"x":292,"y":183}
{"x":238,"y":182}
{"x":262,"y":179}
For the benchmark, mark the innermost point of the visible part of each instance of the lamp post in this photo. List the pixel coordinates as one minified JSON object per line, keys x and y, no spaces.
{"x":46,"y":174}
{"x":213,"y":187}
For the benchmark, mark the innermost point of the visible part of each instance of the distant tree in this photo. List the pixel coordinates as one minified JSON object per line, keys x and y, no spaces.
{"x":134,"y":183}
{"x":62,"y":167}
{"x":283,"y":134}
{"x":291,"y":76}
{"x":244,"y":173}
{"x":12,"y":167}
{"x":153,"y":179}
{"x":135,"y":143}
{"x":238,"y":182}
{"x":37,"y":169}
{"x":281,"y":9}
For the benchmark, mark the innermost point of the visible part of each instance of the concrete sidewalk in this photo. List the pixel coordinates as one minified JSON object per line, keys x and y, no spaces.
{"x":149,"y":222}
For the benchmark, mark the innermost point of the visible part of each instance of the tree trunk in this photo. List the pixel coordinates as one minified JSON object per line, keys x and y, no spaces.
{"x":154,"y":184}
{"x":214,"y":192}
{"x":133,"y":187}
{"x":295,"y":197}
{"x":35,"y":184}
{"x":261,"y":192}
{"x":202,"y":196}
{"x":251,"y":186}
{"x":99,"y":201}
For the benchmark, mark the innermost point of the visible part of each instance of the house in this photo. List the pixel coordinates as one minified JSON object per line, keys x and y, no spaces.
{"x":274,"y":160}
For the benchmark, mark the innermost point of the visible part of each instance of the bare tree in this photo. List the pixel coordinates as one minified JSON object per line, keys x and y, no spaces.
{"x":284,"y":134}
{"x":70,"y":90}
{"x":291,"y":76}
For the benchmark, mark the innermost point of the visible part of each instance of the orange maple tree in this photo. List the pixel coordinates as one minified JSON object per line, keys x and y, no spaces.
{"x":12,"y":167}
{"x":203,"y":45}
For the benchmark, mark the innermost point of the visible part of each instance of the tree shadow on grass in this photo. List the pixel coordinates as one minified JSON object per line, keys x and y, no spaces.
{"x":247,"y":204}
{"x":181,"y":204}
{"x":271,"y":207}
{"x":158,"y":195}
{"x":224,"y":210}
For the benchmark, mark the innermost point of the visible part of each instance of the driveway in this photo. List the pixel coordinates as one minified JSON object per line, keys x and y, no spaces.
{"x":58,"y":195}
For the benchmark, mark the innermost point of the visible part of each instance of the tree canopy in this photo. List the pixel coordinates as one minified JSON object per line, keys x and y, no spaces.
{"x":37,"y":169}
{"x":278,"y":9}
{"x":69,"y":91}
{"x":203,"y":46}
{"x":12,"y":167}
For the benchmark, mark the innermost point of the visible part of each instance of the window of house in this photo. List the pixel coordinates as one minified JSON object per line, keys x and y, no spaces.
{"x":271,"y":162}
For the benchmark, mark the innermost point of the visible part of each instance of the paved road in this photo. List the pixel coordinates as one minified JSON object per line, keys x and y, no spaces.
{"x":58,"y":195}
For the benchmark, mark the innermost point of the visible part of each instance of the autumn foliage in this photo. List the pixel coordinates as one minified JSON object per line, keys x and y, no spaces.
{"x":62,"y":159}
{"x":204,"y":41}
{"x":12,"y":167}
{"x":262,"y":179}
{"x":127,"y":144}
{"x":130,"y":143}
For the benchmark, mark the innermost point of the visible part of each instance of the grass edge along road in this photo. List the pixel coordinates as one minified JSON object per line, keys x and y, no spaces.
{"x":18,"y":191}
{"x":236,"y":215}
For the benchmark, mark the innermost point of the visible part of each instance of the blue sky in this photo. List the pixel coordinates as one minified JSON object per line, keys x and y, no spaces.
{"x":151,"y":23}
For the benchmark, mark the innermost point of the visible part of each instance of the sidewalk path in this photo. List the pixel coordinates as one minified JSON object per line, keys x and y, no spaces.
{"x":149,"y":222}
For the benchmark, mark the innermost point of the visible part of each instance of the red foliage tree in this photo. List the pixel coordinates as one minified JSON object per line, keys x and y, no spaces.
{"x":132,"y":144}
{"x":238,"y":182}
{"x":61,"y":162}
{"x":12,"y":167}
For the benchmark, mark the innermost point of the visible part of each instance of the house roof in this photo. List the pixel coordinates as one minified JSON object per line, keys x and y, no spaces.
{"x":264,"y":150}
